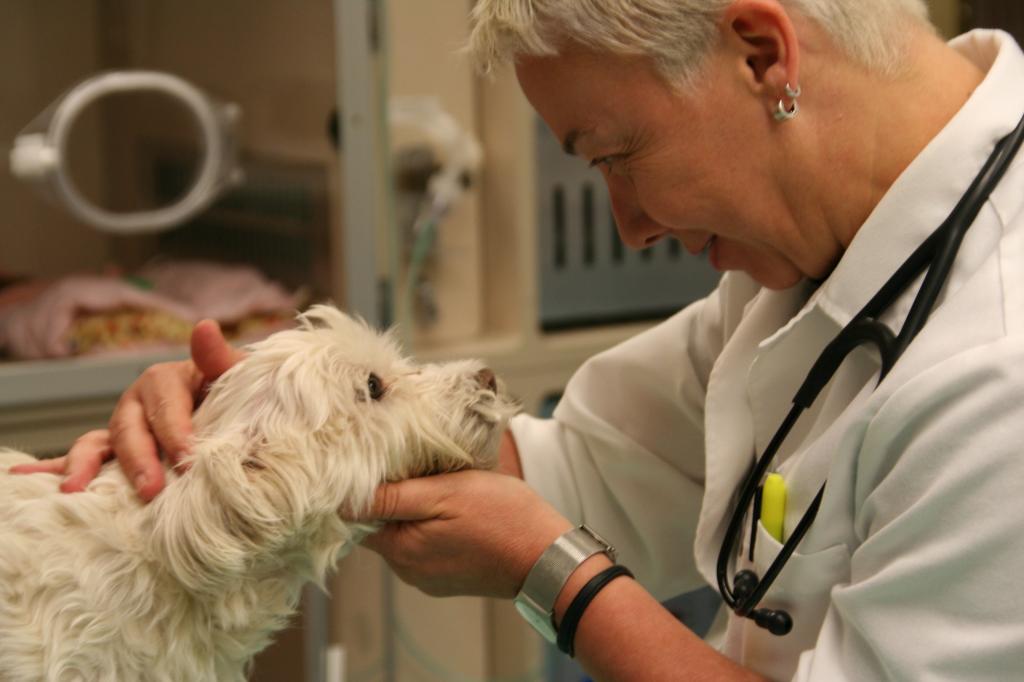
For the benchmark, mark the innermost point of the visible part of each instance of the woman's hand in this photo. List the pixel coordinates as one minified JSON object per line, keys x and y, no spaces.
{"x":154,"y":415}
{"x":465,"y":533}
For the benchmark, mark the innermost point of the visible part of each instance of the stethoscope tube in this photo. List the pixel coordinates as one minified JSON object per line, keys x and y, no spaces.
{"x":937,"y":253}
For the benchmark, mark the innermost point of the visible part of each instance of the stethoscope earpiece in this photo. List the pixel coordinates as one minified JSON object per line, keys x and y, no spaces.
{"x":743,"y":585}
{"x":774,"y":621}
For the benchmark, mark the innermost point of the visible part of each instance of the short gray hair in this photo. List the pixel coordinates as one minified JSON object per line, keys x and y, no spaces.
{"x":676,"y":34}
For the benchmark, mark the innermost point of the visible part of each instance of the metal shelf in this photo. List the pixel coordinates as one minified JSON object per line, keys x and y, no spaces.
{"x":40,"y":382}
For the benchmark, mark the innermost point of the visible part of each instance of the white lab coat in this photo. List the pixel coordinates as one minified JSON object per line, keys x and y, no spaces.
{"x":913,"y":568}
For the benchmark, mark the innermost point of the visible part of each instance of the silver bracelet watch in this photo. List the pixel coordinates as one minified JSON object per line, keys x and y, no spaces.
{"x":536,"y":600}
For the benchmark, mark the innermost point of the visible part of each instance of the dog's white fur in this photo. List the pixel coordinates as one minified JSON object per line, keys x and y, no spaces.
{"x":97,"y":586}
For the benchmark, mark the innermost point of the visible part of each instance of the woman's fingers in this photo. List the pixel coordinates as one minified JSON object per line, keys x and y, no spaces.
{"x":84,"y":460}
{"x":470,"y":532}
{"x":383,"y":540}
{"x":135,"y":447}
{"x":154,"y":415}
{"x":211,"y":352}
{"x":167,"y":394}
{"x":79,"y":466}
{"x":57,"y":465}
{"x":417,"y":499}
{"x":412,"y":500}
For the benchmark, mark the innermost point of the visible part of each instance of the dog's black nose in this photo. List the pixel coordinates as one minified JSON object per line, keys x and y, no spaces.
{"x":486,"y":379}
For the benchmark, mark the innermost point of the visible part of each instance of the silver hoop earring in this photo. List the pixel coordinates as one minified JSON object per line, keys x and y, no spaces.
{"x":783,"y":114}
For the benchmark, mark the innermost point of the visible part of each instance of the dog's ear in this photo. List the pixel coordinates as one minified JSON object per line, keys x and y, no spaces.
{"x":239,"y":506}
{"x":251,"y":458}
{"x":200,"y":541}
{"x":327,"y":317}
{"x":253,"y":464}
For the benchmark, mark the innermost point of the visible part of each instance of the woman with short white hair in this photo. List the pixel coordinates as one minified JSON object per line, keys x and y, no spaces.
{"x":808,"y":148}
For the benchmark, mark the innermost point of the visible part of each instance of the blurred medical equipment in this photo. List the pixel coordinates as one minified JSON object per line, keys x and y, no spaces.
{"x":40,"y":150}
{"x":934,"y":258}
{"x":460,"y":157}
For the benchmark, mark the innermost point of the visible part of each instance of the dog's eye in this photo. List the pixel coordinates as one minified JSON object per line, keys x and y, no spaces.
{"x":375,"y":386}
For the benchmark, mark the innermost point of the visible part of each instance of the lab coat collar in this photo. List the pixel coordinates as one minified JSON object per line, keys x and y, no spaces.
{"x":926,"y":192}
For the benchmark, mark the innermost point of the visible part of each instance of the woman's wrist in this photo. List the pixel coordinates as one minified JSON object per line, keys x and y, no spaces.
{"x":531,"y":547}
{"x":583,"y":573}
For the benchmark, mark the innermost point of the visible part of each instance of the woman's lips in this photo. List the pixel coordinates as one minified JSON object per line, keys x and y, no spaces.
{"x":704,"y":250}
{"x":710,"y":251}
{"x":697,"y":249}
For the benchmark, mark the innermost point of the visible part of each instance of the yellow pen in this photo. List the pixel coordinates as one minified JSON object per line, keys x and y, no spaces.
{"x":773,"y":505}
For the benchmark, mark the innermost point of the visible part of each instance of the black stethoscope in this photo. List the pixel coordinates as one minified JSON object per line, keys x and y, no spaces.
{"x":936,"y":254}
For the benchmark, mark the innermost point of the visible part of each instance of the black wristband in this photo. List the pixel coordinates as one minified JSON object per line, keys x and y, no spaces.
{"x":573,"y":614}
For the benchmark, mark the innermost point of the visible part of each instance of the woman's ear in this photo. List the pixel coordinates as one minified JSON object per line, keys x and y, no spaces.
{"x":760,"y":37}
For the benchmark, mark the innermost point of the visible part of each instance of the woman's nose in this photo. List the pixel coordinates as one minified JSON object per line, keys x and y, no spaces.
{"x":634,"y":225}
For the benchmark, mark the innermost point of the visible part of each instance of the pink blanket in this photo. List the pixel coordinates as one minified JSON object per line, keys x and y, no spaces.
{"x":96,"y":314}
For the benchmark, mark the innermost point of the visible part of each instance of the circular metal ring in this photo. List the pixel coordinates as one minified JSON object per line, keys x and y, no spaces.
{"x":217,"y":167}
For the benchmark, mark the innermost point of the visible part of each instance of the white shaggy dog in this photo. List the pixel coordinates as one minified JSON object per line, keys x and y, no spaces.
{"x":97,"y":586}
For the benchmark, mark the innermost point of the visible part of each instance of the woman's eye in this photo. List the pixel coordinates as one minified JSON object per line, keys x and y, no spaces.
{"x":375,"y":386}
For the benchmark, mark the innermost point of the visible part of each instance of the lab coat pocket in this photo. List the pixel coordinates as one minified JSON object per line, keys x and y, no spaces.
{"x":802,"y":589}
{"x":803,"y":574}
